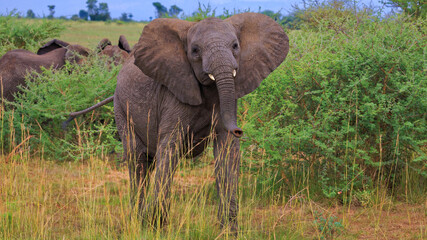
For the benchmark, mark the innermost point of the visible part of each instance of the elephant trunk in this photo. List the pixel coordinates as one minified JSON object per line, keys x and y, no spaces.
{"x":227,"y":99}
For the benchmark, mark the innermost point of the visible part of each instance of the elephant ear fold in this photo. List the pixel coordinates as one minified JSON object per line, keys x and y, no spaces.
{"x":102,"y":44}
{"x":160,"y":54}
{"x":123,"y":44}
{"x":52,"y":45}
{"x":263,"y":47}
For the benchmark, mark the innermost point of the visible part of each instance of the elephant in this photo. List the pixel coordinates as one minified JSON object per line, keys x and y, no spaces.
{"x":118,"y":53}
{"x":178,"y":88}
{"x":16,"y":64}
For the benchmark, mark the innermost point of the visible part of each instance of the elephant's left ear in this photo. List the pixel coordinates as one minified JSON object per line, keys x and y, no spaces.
{"x":52,"y":45}
{"x":263,"y":47}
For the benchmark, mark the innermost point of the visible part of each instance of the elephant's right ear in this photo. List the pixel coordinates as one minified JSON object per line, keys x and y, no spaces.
{"x":52,"y":45}
{"x":123,"y":44}
{"x":161,"y":55}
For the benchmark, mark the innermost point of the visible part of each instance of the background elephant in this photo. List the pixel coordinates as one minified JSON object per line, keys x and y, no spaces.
{"x":181,"y":82}
{"x":15,"y":64}
{"x":118,"y":53}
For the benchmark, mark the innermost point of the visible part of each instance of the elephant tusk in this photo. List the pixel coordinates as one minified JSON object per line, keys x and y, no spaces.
{"x":211,"y":77}
{"x":234,"y":73}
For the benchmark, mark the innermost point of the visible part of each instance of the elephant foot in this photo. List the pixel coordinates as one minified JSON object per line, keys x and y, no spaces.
{"x":230,"y":229}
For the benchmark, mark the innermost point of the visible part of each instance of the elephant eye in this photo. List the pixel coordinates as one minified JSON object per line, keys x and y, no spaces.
{"x":235,"y":46}
{"x":195,"y":50}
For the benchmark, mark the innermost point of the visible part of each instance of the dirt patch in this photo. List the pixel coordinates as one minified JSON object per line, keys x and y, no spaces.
{"x":402,"y":221}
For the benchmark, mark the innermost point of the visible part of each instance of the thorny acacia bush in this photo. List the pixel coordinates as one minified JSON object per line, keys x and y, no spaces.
{"x":48,"y":99}
{"x":346,"y":110}
{"x":337,"y":15}
{"x":19,"y":33}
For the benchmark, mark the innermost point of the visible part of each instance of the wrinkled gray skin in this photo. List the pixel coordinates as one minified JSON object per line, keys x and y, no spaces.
{"x":118,"y":54}
{"x":166,"y":104}
{"x":16,"y":64}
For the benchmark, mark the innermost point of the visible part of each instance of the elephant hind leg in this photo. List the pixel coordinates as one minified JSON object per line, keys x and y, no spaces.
{"x":139,"y":162}
{"x":140,"y":167}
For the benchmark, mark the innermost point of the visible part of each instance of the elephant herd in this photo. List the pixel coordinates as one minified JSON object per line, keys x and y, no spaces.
{"x":16,"y":64}
{"x":177,"y":90}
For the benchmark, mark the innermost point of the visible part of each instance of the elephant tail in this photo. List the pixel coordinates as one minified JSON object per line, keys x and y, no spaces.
{"x":76,"y":114}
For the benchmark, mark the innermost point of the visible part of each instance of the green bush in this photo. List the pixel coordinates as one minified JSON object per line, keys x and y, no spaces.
{"x":337,"y":15}
{"x":48,"y":99}
{"x":345,"y":110}
{"x":19,"y":33}
{"x":328,"y":227}
{"x":202,"y":12}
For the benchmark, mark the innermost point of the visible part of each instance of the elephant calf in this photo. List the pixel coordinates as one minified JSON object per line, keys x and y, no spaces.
{"x":15,"y":64}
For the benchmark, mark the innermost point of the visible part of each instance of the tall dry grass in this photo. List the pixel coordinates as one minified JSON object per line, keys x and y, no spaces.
{"x":45,"y":199}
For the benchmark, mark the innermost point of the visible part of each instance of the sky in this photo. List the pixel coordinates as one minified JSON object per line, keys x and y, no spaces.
{"x":144,"y":9}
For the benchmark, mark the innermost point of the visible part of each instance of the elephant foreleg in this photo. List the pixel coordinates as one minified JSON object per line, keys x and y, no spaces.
{"x":226,"y":151}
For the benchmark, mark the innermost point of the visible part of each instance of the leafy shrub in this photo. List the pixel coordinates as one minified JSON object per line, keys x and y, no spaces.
{"x":414,"y":8}
{"x":332,"y":14}
{"x":202,"y":12}
{"x":19,"y":33}
{"x":328,"y":227}
{"x":206,"y":11}
{"x":48,"y":99}
{"x":345,"y":108}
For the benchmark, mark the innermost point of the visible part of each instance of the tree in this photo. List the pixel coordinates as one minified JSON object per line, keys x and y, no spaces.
{"x":83,"y":14}
{"x":103,"y":12}
{"x":124,"y":17}
{"x":161,"y":10}
{"x":51,"y":11}
{"x":275,"y":16}
{"x":416,"y":8}
{"x":174,"y":10}
{"x":92,"y":8}
{"x":75,"y":17}
{"x":31,"y":14}
{"x":97,"y":13}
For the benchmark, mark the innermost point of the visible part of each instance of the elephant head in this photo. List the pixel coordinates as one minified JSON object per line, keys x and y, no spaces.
{"x":235,"y":54}
{"x":73,"y":53}
{"x":118,"y":53}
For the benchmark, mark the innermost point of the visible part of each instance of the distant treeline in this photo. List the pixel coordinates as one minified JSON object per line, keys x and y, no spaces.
{"x":94,"y":12}
{"x":100,"y":12}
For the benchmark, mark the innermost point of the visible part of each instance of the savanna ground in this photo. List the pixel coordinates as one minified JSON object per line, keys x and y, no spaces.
{"x":42,"y":198}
